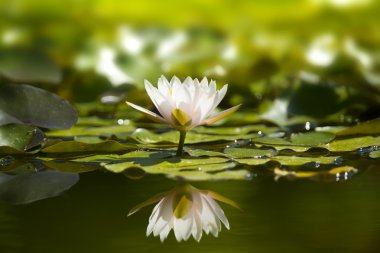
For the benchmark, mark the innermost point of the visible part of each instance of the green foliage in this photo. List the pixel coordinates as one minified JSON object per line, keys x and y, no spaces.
{"x":30,"y":105}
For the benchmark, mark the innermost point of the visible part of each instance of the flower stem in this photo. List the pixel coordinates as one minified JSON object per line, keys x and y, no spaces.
{"x":182,"y":136}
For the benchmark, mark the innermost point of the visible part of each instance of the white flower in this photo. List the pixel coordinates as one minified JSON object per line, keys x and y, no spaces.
{"x":188,"y":211}
{"x":185,"y":105}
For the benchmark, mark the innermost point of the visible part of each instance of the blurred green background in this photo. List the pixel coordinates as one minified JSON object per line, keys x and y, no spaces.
{"x":83,"y":49}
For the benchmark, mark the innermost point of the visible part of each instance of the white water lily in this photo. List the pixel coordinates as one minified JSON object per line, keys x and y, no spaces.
{"x":188,"y":211}
{"x":185,"y":105}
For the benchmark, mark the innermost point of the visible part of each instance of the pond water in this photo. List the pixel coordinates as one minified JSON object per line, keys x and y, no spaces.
{"x":276,"y":216}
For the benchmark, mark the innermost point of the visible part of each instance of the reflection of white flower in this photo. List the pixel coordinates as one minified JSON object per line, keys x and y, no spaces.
{"x":187,"y":210}
{"x":185,"y":105}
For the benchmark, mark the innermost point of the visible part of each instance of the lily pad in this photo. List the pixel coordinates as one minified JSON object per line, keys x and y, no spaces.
{"x":249,"y":153}
{"x":19,"y":137}
{"x":98,"y":131}
{"x":201,"y":152}
{"x":375,"y":154}
{"x":80,"y":147}
{"x":70,"y":167}
{"x":235,"y":130}
{"x":34,"y":106}
{"x":289,"y":160}
{"x":352,"y":143}
{"x":311,"y":138}
{"x":364,"y":128}
{"x":271,"y":141}
{"x":146,"y":136}
{"x":156,"y":162}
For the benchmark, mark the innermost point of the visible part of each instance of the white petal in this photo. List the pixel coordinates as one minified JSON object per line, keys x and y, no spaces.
{"x":165,"y":216}
{"x":204,"y":83}
{"x":222,"y":92}
{"x":165,"y":232}
{"x":164,"y":86}
{"x":148,"y":113}
{"x":181,"y":96}
{"x":197,"y":227}
{"x":212,"y":86}
{"x":163,"y":105}
{"x":219,"y":211}
{"x":207,"y":106}
{"x":220,"y":115}
{"x":209,"y":219}
{"x":153,"y":219}
{"x":182,"y":227}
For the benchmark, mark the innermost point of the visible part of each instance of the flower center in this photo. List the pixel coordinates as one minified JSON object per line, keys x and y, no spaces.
{"x":183,"y":207}
{"x":181,"y":118}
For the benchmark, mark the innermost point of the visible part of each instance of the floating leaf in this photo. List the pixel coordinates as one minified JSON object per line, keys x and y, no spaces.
{"x":271,"y":141}
{"x":352,"y":143}
{"x":235,"y":130}
{"x":201,"y":152}
{"x":289,"y":160}
{"x":19,"y":137}
{"x":311,"y":138}
{"x":98,"y":131}
{"x":80,"y":147}
{"x":70,"y":167}
{"x":364,"y":128}
{"x":162,"y":162}
{"x":146,"y":136}
{"x":34,"y":106}
{"x":249,"y":153}
{"x":375,"y":154}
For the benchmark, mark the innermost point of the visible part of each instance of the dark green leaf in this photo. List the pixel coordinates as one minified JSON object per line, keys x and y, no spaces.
{"x":368,"y":127}
{"x":312,"y":138}
{"x":19,"y":137}
{"x":31,"y":105}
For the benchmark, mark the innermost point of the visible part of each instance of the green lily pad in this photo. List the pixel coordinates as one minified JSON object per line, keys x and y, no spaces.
{"x":249,"y":153}
{"x":98,"y":131}
{"x":289,"y":160}
{"x":146,"y":136}
{"x":236,"y":130}
{"x":73,"y":147}
{"x":352,"y":143}
{"x":201,"y":152}
{"x":364,"y":128}
{"x":34,"y":106}
{"x":70,"y":167}
{"x":311,"y":138}
{"x":271,"y":141}
{"x":375,"y":154}
{"x":163,"y":162}
{"x":19,"y":137}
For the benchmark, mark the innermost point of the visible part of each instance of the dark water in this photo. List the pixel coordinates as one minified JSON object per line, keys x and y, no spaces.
{"x":283,"y":216}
